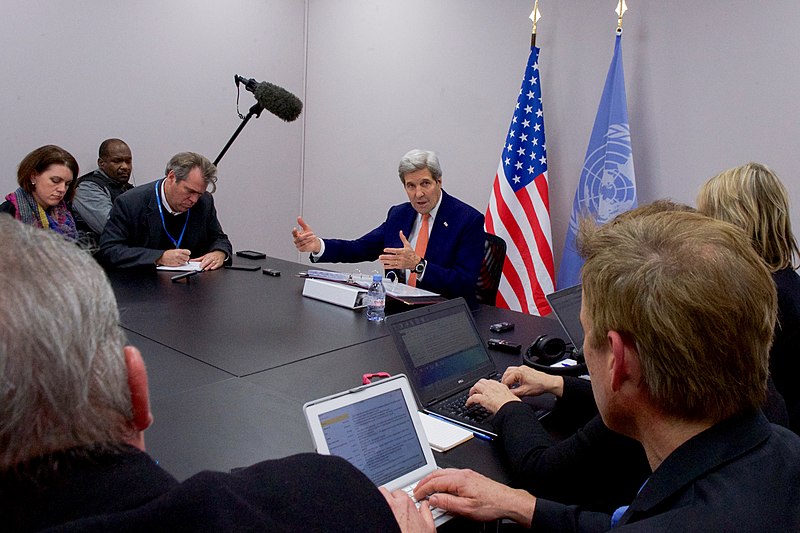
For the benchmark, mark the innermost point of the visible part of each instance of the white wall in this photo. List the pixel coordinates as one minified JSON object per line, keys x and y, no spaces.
{"x":710,"y":85}
{"x":159,"y":74}
{"x":385,"y":77}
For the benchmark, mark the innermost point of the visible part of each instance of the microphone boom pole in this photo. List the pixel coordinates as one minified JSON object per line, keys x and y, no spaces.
{"x":255,"y":110}
{"x":276,"y":100}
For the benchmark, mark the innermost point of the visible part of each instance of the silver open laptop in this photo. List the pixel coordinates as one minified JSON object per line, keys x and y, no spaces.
{"x":377,"y":429}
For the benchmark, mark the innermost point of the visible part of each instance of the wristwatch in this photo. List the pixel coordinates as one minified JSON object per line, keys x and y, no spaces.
{"x":420,"y":267}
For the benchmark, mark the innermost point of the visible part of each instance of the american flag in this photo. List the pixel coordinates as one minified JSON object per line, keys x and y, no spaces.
{"x":519,"y":207}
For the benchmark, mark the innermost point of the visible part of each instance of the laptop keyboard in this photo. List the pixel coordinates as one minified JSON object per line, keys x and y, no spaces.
{"x":457,"y":408}
{"x":435,"y":511}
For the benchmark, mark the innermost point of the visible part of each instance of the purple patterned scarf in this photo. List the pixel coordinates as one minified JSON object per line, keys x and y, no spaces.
{"x":58,"y":219}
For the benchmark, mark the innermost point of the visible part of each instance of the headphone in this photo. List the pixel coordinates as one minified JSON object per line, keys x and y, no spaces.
{"x":547,"y":350}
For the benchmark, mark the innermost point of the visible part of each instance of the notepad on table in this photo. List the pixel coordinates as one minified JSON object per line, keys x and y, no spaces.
{"x":191,"y":266}
{"x":443,"y":436}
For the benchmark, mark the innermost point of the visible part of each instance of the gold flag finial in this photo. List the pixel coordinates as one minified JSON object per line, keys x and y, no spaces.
{"x":620,"y":11}
{"x":535,"y":16}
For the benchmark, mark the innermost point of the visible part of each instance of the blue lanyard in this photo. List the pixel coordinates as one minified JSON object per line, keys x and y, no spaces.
{"x":164,"y":224}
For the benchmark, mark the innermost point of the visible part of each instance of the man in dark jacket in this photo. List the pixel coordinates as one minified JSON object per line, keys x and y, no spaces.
{"x":679,"y":312}
{"x":168,"y":222}
{"x":446,"y":259}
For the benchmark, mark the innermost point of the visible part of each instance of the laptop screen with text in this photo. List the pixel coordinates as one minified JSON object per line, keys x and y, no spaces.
{"x":376,"y":435}
{"x":441,"y":347}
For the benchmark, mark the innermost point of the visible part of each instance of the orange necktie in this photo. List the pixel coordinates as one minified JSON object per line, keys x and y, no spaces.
{"x":422,"y":245}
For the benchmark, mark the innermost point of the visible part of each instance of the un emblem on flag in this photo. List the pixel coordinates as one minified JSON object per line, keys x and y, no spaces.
{"x":607,"y":185}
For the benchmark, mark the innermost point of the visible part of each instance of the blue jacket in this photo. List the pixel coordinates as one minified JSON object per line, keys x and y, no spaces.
{"x":454,"y":253}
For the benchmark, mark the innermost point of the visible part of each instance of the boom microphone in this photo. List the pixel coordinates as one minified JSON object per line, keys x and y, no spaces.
{"x":274,"y":99}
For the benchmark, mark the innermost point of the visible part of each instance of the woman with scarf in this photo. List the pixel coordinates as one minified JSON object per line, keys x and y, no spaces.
{"x":46,"y":180}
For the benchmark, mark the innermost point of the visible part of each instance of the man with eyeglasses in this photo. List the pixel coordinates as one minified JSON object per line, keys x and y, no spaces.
{"x":168,"y":222}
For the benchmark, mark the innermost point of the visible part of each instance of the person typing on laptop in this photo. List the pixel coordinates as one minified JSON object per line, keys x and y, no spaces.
{"x":649,"y":308}
{"x":549,"y":468}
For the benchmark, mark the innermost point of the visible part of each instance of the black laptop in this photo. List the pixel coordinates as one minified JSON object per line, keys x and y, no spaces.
{"x":566,"y":305}
{"x":444,"y":356}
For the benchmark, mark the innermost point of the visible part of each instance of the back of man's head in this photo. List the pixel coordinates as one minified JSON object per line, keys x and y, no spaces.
{"x":695,"y":299}
{"x":63,"y":379}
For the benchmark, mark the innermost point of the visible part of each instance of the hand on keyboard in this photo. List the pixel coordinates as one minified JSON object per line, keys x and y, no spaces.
{"x":491,"y":395}
{"x":410,"y":518}
{"x":467,"y":493}
{"x":458,"y":408}
{"x":435,"y":511}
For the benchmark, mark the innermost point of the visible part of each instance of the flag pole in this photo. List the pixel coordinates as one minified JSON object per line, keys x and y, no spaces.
{"x":620,"y":11}
{"x":519,"y":204}
{"x":535,"y":16}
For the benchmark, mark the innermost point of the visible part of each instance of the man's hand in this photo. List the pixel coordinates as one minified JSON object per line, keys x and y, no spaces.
{"x":491,"y":394}
{"x":530,"y":382}
{"x":212,"y":260}
{"x":400,"y":258}
{"x":477,"y":497}
{"x":304,"y":238}
{"x":174,"y":257}
{"x":409,"y":518}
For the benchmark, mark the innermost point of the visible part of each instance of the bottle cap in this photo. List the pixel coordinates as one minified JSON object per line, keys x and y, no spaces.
{"x":377,"y":277}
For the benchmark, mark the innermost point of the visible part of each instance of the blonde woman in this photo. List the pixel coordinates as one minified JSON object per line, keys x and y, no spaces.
{"x":752,"y":197}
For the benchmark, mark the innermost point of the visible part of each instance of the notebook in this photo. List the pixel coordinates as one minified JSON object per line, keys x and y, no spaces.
{"x":566,"y":305}
{"x":376,"y":428}
{"x":444,"y":356}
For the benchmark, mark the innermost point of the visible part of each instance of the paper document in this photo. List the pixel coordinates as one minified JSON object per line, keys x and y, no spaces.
{"x":392,"y":287}
{"x":331,"y":276}
{"x":191,"y":266}
{"x":442,"y":435}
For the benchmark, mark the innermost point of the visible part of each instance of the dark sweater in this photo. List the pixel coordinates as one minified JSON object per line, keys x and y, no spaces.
{"x":130,"y":492}
{"x":785,"y":354}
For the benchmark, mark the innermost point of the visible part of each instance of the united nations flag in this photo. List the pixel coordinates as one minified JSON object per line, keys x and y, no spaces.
{"x":607,"y":185}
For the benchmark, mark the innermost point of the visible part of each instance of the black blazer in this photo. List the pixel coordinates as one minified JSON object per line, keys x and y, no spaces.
{"x":739,"y":475}
{"x":134,"y":235}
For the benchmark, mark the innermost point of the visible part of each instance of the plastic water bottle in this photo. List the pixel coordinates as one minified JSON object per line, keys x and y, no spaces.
{"x":376,"y":299}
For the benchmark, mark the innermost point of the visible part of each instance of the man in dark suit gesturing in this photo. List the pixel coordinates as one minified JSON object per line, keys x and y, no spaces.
{"x":168,"y":222}
{"x":434,"y":241}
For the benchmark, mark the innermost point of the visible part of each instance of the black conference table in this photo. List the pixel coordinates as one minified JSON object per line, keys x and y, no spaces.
{"x":233,"y":355}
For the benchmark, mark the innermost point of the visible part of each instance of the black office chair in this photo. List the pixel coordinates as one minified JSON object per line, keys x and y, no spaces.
{"x":494,"y":254}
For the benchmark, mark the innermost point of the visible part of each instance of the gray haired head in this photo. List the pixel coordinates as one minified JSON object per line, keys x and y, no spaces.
{"x":418,"y":160}
{"x":181,"y":164}
{"x":63,"y":378}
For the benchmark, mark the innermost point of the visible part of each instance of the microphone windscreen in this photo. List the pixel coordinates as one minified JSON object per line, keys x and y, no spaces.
{"x":278,"y":101}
